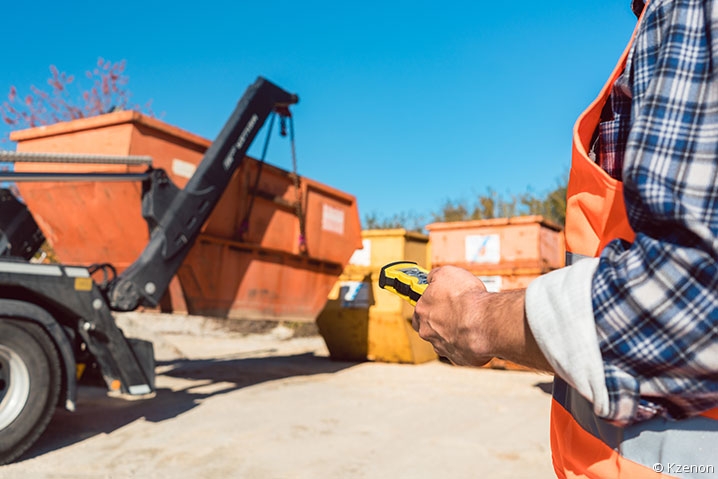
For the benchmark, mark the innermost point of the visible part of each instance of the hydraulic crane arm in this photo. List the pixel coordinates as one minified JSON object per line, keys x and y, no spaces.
{"x":176,"y":216}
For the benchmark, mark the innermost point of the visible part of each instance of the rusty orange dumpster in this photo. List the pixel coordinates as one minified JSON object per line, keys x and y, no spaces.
{"x":247,"y":262}
{"x":93,"y":222}
{"x":506,"y":252}
{"x":271,"y":251}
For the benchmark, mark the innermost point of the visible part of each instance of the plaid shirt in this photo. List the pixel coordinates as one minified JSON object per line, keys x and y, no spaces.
{"x":656,"y":300}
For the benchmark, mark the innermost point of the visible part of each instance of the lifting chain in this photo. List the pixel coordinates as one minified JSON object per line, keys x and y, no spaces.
{"x":297,"y":182}
{"x":298,"y":205}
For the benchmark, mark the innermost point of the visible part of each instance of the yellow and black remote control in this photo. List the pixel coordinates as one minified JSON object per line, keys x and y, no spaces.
{"x":404,"y":278}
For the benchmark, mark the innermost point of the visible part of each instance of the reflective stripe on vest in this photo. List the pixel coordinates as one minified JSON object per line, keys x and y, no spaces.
{"x":582,"y":444}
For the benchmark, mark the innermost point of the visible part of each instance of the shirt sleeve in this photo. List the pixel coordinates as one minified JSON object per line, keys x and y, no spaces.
{"x":560,"y":316}
{"x":655,"y":301}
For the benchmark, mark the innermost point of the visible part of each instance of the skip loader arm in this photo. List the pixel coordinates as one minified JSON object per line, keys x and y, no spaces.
{"x":176,"y":216}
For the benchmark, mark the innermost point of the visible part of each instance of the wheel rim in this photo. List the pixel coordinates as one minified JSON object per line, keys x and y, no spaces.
{"x":14,"y":386}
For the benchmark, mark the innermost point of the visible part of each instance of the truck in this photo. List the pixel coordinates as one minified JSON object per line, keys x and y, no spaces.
{"x":56,"y":320}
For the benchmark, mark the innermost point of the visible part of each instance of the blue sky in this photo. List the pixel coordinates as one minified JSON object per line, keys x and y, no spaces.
{"x":403,"y":104}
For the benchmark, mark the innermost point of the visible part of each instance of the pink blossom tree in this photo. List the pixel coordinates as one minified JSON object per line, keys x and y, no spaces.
{"x":69,"y":100}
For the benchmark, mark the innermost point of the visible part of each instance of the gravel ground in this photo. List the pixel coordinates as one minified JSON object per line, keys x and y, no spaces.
{"x":274,"y":405}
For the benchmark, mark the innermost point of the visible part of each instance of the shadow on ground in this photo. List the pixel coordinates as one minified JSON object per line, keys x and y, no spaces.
{"x":98,"y":413}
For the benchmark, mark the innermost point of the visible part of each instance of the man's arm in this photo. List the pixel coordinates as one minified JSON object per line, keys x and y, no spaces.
{"x":548,"y":327}
{"x":469,"y":325}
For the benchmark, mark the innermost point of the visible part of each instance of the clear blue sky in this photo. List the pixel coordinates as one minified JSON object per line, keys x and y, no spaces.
{"x":403,"y":104}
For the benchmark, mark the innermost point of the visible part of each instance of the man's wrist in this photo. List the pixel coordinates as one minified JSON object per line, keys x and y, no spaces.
{"x":511,"y":336}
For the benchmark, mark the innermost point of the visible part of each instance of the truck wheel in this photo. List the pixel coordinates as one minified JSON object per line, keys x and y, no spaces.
{"x":29,"y":385}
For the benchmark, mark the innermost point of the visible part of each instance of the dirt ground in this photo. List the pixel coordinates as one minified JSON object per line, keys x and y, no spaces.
{"x":272,"y":404}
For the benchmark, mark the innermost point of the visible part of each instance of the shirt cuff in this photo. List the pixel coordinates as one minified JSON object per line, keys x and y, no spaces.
{"x":560,"y":314}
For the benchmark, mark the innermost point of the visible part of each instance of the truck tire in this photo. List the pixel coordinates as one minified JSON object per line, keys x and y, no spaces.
{"x":29,"y":385}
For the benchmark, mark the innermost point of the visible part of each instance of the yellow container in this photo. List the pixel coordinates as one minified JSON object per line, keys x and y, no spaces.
{"x":364,"y":322}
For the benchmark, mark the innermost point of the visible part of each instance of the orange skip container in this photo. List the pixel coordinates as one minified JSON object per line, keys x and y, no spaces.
{"x":247,"y":262}
{"x":507,"y":253}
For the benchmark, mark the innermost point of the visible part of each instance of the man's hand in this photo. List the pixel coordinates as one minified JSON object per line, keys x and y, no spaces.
{"x":469,"y":326}
{"x":448,"y":315}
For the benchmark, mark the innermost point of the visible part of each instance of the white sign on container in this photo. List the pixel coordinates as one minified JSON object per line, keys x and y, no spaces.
{"x":492,"y":283}
{"x":332,"y":219}
{"x":183,"y":168}
{"x":483,"y":248}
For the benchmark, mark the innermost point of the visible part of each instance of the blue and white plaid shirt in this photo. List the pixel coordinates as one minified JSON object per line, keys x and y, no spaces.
{"x":656,"y":300}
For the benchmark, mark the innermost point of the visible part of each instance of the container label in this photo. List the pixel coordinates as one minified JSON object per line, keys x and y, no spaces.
{"x":492,"y":283}
{"x":362,"y":257}
{"x":332,"y":219}
{"x":483,"y":248}
{"x":355,"y":295}
{"x":182,"y":168}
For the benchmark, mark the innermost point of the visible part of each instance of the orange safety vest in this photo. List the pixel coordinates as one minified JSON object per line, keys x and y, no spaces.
{"x":582,"y":444}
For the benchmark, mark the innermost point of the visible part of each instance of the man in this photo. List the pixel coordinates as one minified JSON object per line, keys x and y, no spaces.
{"x":632,"y":333}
